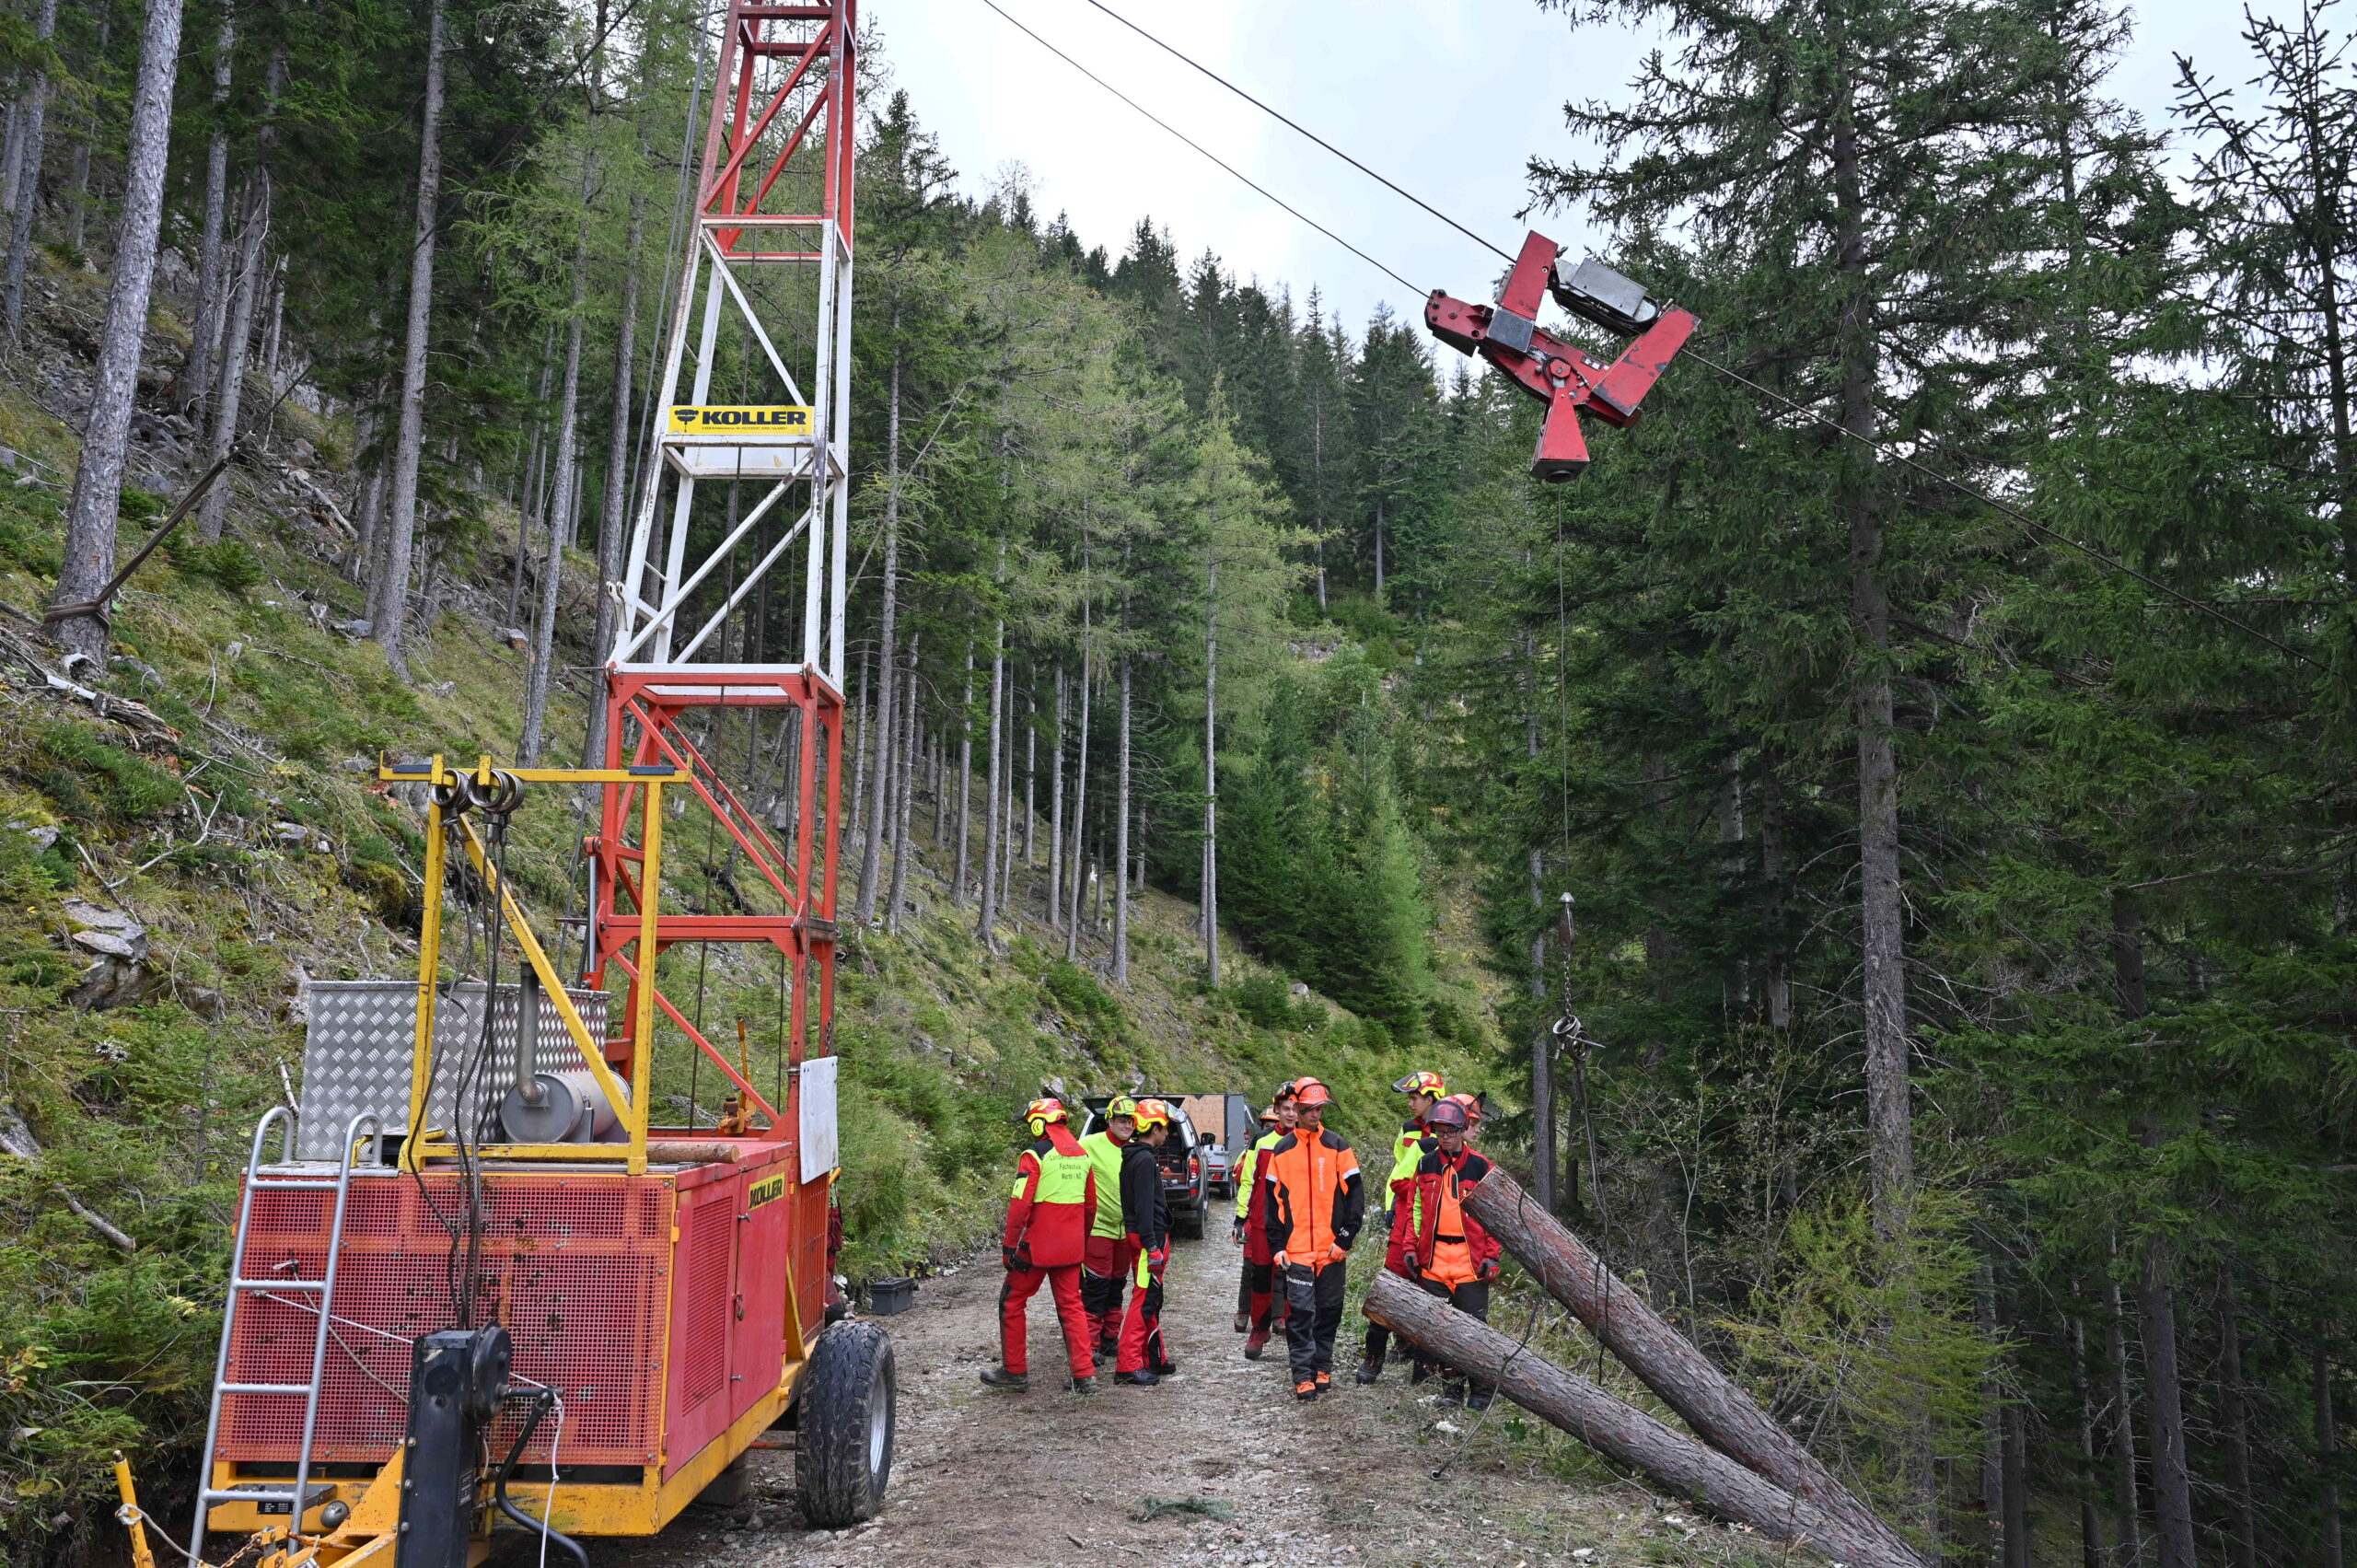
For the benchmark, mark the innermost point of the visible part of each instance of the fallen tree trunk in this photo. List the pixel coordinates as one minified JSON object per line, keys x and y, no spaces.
{"x":1622,"y":1432}
{"x":1720,"y":1414}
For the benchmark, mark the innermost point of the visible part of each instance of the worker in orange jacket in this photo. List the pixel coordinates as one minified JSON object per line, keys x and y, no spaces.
{"x":1440,"y":1246}
{"x":1315,"y":1206}
{"x":1423,"y":1091}
{"x":1047,"y":1221}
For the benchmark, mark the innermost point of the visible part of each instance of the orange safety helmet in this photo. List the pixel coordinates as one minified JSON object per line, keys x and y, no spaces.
{"x":1043,"y":1110}
{"x":1285,"y":1090}
{"x":1267,"y":1114}
{"x":1422,"y":1084}
{"x":1152,"y":1113}
{"x":1309,"y":1094}
{"x":1472,"y":1104}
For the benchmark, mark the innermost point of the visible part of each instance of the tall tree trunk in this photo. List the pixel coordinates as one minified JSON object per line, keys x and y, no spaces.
{"x":1056,"y":808}
{"x":1542,"y":1058}
{"x":1121,"y":843}
{"x":2328,"y":1457}
{"x":986,"y":926}
{"x":2165,"y":1402}
{"x":228,"y":398}
{"x":568,"y":479}
{"x":1210,"y":765}
{"x":861,"y":813}
{"x":27,"y":188}
{"x":870,"y":862}
{"x":389,"y":607}
{"x":1030,"y":770}
{"x":90,"y":515}
{"x":965,"y":781}
{"x":1079,"y":797}
{"x":2124,"y":1425}
{"x":2234,"y":1424}
{"x":614,"y":521}
{"x":2090,"y":1553}
{"x":903,"y":850}
{"x":1378,"y":555}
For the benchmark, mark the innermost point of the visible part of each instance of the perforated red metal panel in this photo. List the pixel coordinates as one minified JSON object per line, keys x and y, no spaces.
{"x":574,"y":1266}
{"x":704,"y":1297}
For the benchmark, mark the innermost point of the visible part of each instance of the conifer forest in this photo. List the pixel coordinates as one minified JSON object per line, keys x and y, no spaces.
{"x":1875,"y":835}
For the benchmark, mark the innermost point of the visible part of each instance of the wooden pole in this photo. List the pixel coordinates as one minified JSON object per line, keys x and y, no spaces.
{"x":1622,"y":1432}
{"x":1722,"y":1414}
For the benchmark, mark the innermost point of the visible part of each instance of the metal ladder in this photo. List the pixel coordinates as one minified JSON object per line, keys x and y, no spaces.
{"x":295,"y":1498}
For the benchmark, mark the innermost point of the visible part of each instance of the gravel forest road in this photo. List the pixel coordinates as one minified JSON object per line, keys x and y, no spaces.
{"x":983,"y":1477}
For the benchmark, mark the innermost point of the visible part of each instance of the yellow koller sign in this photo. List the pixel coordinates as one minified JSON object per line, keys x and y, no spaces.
{"x":711,"y":420}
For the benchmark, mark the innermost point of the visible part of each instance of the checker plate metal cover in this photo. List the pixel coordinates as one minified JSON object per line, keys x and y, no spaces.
{"x":356,"y":1053}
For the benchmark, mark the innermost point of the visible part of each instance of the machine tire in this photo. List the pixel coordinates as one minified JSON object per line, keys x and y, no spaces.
{"x":843,"y":1452}
{"x":1189,"y":1223}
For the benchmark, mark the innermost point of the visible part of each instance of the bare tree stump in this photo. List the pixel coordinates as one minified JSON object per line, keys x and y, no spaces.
{"x":1622,"y":1432}
{"x":1708,"y":1400}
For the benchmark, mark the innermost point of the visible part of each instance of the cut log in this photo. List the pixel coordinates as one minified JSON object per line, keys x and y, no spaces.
{"x":1706,"y":1399}
{"x":1622,"y":1432}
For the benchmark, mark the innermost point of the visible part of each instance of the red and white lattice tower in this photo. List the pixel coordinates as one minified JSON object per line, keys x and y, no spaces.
{"x":764,"y":298}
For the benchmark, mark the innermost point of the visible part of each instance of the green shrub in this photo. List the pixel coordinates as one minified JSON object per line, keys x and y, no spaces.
{"x":138,"y":506}
{"x":225,"y":562}
{"x":1082,"y":999}
{"x":1263,"y":999}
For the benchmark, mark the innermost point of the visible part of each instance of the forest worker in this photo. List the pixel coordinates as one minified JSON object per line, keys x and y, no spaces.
{"x":1443,"y":1248}
{"x":1047,"y":1221}
{"x":1314,"y":1207}
{"x":1257,"y":1289}
{"x":1100,"y":1275}
{"x":1472,"y":1104}
{"x":1145,"y":1221}
{"x":1424,"y":1091}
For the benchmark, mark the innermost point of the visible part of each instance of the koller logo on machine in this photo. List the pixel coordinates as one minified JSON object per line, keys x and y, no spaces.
{"x":702,"y":420}
{"x":766,"y":1191}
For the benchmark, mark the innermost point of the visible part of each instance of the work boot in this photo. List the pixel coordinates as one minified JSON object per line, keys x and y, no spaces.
{"x":1480,"y":1399}
{"x":1417,"y":1373}
{"x":1306,"y":1389}
{"x":1324,"y":1381}
{"x":1000,"y":1377}
{"x":1142,"y":1379}
{"x":1258,"y":1343}
{"x":1243,"y":1322}
{"x":1451,"y":1394}
{"x":1370,"y":1369}
{"x":1083,"y":1386}
{"x":1165,"y":1368}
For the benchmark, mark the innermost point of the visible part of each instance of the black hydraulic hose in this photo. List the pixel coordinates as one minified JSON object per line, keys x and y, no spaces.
{"x":499,"y":1488}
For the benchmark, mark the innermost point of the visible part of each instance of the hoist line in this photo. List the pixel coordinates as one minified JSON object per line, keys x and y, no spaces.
{"x":1298,"y":127}
{"x":1994,"y":503}
{"x":1206,"y":152}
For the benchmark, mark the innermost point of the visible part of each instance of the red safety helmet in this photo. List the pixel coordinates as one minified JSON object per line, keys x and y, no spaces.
{"x":1043,"y":1110}
{"x":1422,"y":1084}
{"x":1448,"y":1113}
{"x":1308,"y":1093}
{"x":1152,"y":1113}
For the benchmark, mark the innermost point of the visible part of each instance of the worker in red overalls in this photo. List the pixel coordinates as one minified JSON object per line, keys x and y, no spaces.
{"x":1258,"y":1295}
{"x":1438,"y":1245}
{"x":1047,"y":1221}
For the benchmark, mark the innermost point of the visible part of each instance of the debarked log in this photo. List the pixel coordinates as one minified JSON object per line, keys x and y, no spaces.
{"x":1620,"y":1432}
{"x":1720,"y":1413}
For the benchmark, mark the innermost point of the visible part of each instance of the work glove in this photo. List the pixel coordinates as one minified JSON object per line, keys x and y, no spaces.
{"x":1235,"y":1232}
{"x":1488,"y":1270}
{"x":1159,"y":1257}
{"x":1017,"y":1259}
{"x":1335,"y":1252}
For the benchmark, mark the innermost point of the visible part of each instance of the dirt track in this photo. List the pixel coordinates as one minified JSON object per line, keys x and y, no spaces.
{"x":985,"y":1478}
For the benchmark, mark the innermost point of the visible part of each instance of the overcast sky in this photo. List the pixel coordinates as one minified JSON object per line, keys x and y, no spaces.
{"x":1449,"y":99}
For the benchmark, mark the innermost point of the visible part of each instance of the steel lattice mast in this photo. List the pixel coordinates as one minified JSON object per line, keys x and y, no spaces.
{"x":774,"y":205}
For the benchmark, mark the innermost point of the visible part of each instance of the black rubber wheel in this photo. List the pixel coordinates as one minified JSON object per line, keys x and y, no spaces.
{"x":842,"y":1451}
{"x":1189,"y":1223}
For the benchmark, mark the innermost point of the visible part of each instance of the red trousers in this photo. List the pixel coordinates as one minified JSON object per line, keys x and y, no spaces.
{"x":1064,"y":1285}
{"x":1141,"y":1348}
{"x":1108,"y":1263}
